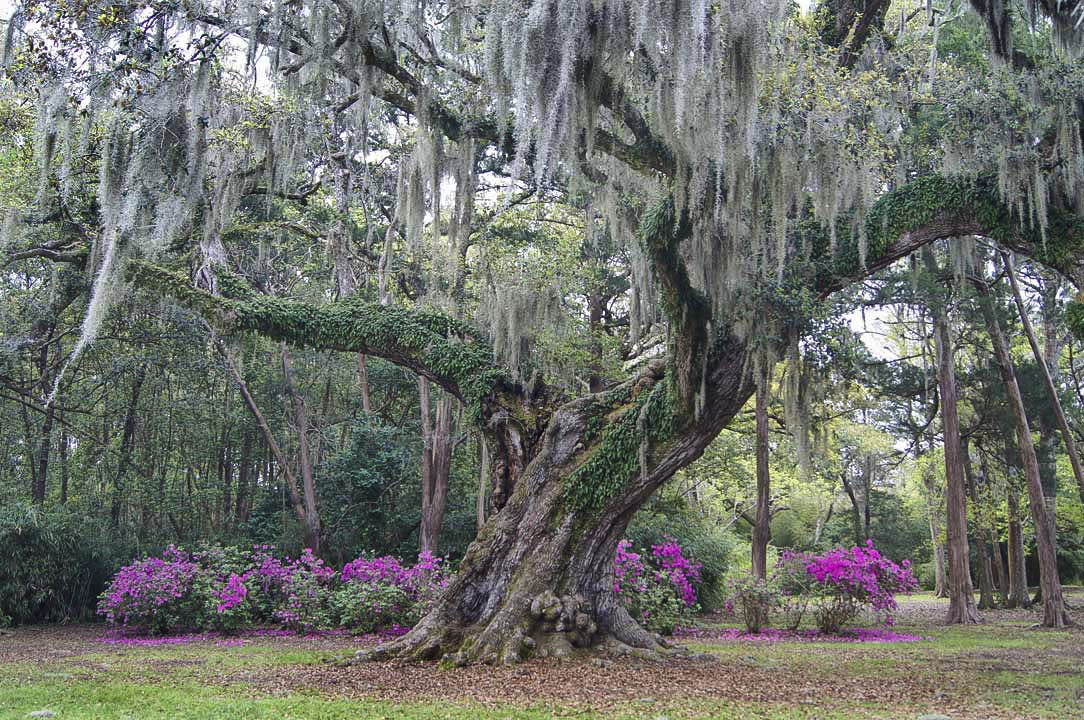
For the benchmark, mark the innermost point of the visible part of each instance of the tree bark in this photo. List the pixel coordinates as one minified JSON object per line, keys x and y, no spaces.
{"x":1048,"y":380}
{"x":483,"y":483}
{"x":762,"y":528}
{"x":961,"y":592}
{"x":1054,"y":613}
{"x":436,"y":465}
{"x":1018,"y":575}
{"x":313,"y":529}
{"x":986,"y":583}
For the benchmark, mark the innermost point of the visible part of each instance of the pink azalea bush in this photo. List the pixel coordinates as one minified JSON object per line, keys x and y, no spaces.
{"x":843,"y":581}
{"x":379,"y":592}
{"x":659,"y":592}
{"x":835,"y":585}
{"x":228,"y":590}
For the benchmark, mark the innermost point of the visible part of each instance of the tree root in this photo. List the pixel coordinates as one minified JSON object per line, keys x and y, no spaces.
{"x":547,"y":627}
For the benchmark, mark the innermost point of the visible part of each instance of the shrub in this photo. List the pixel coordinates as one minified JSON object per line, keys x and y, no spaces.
{"x":843,"y":582}
{"x":380,"y":592}
{"x":155,"y":595}
{"x":53,"y":564}
{"x":365,"y":607}
{"x":307,"y":590}
{"x":754,"y":600}
{"x":659,"y":594}
{"x":228,"y":589}
{"x":667,"y":517}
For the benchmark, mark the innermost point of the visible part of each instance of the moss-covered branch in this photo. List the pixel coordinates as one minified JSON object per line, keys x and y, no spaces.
{"x":662,"y":231}
{"x":430,"y":344}
{"x":937,"y":207}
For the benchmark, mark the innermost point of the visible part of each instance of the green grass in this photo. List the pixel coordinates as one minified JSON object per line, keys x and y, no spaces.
{"x":1003,"y":668}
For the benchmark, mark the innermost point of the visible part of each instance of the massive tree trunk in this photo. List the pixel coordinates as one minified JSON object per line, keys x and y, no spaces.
{"x":1054,"y":614}
{"x":961,"y":592}
{"x":762,"y":528}
{"x":539,"y":577}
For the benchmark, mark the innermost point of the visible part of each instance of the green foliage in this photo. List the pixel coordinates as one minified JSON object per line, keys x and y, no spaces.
{"x":616,"y":459}
{"x":365,"y":607}
{"x":53,"y":565}
{"x":360,"y":487}
{"x":928,"y":199}
{"x":668,"y":516}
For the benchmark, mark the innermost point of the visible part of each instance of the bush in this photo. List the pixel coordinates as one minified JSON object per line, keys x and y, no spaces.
{"x":661,"y":593}
{"x":754,"y":600}
{"x":842,"y":582}
{"x":227,"y":589}
{"x":379,"y":592}
{"x":53,"y":565}
{"x":669,"y":517}
{"x":155,"y":595}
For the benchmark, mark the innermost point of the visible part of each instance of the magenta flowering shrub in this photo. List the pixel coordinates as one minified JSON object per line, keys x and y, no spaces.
{"x":683,"y":574}
{"x":154,"y":595}
{"x":306,"y":605}
{"x":228,"y":589}
{"x":842,"y":582}
{"x":380,"y":592}
{"x":661,"y":592}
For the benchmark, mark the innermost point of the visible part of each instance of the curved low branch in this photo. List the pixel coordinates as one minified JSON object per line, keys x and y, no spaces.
{"x":430,"y":344}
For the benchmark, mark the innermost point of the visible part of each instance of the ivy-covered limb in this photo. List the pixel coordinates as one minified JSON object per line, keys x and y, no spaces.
{"x":939,"y":206}
{"x":429,"y":343}
{"x":623,"y":449}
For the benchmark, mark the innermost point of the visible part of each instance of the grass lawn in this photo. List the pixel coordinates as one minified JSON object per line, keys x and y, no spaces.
{"x":1001,"y":669}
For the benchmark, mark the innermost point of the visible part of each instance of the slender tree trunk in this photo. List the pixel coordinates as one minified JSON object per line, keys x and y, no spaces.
{"x":961,"y":592}
{"x":436,"y":464}
{"x":127,"y":444}
{"x":313,"y":529}
{"x":62,"y":456}
{"x":856,"y":511}
{"x":762,"y":528}
{"x":312,"y":538}
{"x":45,"y":443}
{"x":244,"y":473}
{"x":1041,"y":360}
{"x":1018,"y":575}
{"x":986,"y":583}
{"x":1054,"y":613}
{"x":363,"y":383}
{"x":1000,"y":571}
{"x":933,"y":514}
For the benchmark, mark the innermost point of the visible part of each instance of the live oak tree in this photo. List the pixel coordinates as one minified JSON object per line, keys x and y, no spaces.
{"x":762,"y":153}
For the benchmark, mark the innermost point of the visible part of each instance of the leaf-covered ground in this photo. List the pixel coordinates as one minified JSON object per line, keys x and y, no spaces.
{"x":1003,"y":668}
